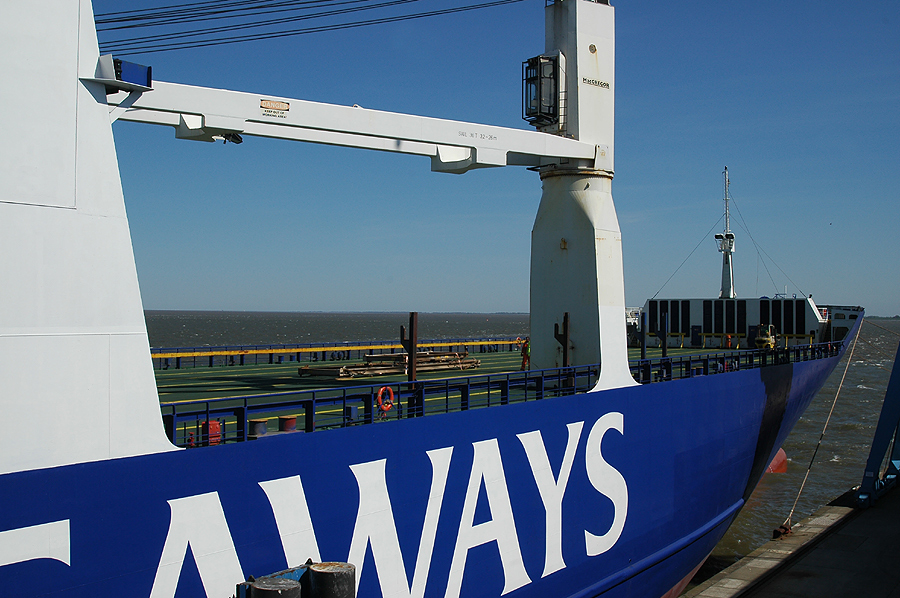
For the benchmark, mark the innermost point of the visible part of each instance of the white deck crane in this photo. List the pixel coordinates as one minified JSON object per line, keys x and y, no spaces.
{"x":71,"y":290}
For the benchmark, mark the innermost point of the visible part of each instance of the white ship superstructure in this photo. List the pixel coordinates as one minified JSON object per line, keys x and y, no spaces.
{"x":732,"y":322}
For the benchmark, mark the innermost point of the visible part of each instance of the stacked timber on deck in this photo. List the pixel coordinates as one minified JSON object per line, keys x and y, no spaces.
{"x":393,"y":364}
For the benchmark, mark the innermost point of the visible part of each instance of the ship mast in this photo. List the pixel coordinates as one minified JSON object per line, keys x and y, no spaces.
{"x":725,"y":241}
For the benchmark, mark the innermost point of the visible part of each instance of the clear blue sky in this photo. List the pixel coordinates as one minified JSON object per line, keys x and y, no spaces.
{"x":799,"y":99}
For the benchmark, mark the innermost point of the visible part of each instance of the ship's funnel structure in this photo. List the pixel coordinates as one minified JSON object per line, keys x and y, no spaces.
{"x":576,"y":245}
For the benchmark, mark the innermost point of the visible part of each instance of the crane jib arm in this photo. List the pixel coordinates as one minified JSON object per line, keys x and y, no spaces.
{"x":207,"y":114}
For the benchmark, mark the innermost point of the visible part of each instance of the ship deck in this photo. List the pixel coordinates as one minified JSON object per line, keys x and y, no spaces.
{"x":218,"y":400}
{"x":203,"y":382}
{"x":220,"y":381}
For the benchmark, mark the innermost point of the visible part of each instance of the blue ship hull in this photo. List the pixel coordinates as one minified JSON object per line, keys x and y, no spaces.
{"x":656,"y":473}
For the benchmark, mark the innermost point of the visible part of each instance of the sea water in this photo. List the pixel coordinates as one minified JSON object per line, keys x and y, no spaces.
{"x":202,"y":329}
{"x":837,"y":467}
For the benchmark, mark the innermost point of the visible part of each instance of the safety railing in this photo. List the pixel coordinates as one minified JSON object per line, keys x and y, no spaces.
{"x":688,"y":366}
{"x":216,"y":421}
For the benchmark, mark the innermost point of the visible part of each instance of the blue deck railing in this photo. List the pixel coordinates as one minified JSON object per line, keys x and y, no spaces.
{"x":216,"y":421}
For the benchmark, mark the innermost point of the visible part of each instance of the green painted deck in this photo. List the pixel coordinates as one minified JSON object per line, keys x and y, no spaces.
{"x":220,"y":381}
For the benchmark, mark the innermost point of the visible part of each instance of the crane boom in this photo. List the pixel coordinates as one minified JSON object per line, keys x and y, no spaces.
{"x":208,"y":114}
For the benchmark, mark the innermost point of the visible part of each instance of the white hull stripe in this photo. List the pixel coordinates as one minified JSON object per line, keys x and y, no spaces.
{"x":44,"y":541}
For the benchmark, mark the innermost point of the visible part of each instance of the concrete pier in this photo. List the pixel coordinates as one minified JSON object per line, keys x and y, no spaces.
{"x":838,"y":552}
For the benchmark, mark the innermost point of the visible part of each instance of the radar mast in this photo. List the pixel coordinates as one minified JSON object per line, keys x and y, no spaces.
{"x":725,"y":240}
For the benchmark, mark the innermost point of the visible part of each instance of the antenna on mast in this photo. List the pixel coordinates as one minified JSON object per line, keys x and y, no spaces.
{"x":725,"y":241}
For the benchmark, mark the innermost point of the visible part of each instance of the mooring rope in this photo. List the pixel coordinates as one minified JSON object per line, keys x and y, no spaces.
{"x":787,"y":522}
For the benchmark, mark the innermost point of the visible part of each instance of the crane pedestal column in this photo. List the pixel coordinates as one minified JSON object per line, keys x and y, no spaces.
{"x":576,"y":267}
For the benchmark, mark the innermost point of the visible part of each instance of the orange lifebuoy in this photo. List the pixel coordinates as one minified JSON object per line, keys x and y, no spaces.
{"x":385,"y":405}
